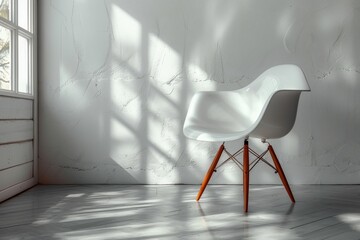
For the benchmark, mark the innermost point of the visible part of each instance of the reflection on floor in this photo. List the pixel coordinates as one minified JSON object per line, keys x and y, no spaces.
{"x":170,"y":212}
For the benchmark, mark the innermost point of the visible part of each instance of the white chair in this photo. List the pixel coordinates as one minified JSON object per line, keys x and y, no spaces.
{"x":264,"y":109}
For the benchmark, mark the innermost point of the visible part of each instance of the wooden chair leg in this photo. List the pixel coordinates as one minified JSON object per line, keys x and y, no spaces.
{"x":210,"y":172}
{"x":281,"y":173}
{"x":246,"y":175}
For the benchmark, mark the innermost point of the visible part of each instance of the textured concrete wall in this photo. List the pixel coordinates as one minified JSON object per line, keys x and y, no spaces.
{"x":116,"y":78}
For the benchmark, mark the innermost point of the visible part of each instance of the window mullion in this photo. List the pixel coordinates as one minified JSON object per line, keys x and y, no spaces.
{"x":12,"y":10}
{"x":31,"y":16}
{"x":25,"y":33}
{"x":31,"y":67}
{"x":15,"y":12}
{"x":15,"y":60}
{"x":15,"y":47}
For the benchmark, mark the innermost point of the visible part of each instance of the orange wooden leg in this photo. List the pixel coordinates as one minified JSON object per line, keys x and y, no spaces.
{"x":281,"y":173}
{"x":246,"y":175}
{"x":210,"y":172}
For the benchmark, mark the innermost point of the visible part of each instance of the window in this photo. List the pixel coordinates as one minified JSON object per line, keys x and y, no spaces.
{"x":16,"y":46}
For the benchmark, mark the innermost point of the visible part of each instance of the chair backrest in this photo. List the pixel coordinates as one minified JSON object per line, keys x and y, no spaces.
{"x":275,"y":95}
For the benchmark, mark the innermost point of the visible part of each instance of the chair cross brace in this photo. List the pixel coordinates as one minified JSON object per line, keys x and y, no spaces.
{"x":259,"y":157}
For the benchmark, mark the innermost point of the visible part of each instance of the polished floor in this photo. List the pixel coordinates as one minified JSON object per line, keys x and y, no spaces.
{"x":170,"y":212}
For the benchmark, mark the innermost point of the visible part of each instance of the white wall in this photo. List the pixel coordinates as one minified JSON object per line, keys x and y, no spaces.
{"x":116,"y":78}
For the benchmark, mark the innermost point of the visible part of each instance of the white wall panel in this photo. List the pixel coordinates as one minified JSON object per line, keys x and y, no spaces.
{"x":15,"y":175}
{"x":15,"y":131}
{"x":15,"y":154}
{"x":16,"y":189}
{"x":15,"y":108}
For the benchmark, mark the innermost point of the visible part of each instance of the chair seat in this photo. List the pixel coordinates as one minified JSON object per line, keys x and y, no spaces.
{"x":219,"y":116}
{"x":214,"y":135}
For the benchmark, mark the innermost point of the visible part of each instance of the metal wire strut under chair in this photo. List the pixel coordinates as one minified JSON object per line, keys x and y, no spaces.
{"x":259,"y":157}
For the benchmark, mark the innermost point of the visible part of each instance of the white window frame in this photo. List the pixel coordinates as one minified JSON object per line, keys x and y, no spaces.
{"x":30,"y":34}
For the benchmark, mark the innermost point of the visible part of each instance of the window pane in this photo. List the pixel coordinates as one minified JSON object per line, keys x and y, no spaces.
{"x":5,"y":9}
{"x":24,"y":84}
{"x":23,"y":14}
{"x":5,"y":58}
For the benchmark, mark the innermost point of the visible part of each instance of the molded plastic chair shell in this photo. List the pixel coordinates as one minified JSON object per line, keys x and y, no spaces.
{"x":266,"y":108}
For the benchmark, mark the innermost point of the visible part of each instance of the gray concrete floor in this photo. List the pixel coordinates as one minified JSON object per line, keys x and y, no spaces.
{"x":170,"y":212}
